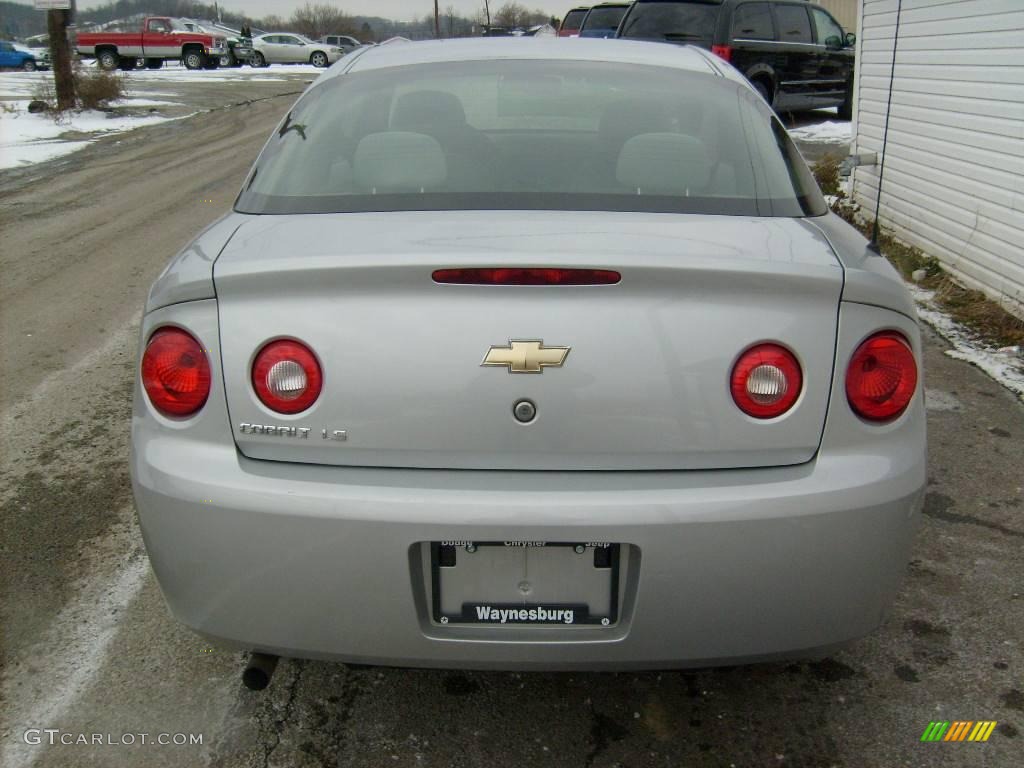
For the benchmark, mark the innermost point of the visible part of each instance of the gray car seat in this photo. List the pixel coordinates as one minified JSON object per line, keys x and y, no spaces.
{"x":469,"y":153}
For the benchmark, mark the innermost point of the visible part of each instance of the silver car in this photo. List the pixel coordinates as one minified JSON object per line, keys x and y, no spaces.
{"x":343,"y":42}
{"x":529,"y":354}
{"x":289,"y":48}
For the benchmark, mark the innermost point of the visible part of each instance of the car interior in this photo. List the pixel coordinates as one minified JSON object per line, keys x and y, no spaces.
{"x":422,"y":141}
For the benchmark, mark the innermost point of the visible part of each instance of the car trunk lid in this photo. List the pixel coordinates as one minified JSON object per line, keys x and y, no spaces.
{"x":645,"y":381}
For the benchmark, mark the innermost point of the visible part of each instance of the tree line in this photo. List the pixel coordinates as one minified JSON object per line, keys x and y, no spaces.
{"x":312,"y":19}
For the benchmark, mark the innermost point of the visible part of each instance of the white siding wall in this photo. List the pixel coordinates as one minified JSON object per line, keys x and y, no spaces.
{"x":954,"y":174}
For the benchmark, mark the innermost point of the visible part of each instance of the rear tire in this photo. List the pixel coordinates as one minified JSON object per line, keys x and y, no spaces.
{"x":193,"y":59}
{"x":846,"y":108}
{"x":258,"y":60}
{"x":29,"y":65}
{"x":762,"y":88}
{"x":154,"y":63}
{"x":108,"y":60}
{"x":227,"y":60}
{"x":319,"y":60}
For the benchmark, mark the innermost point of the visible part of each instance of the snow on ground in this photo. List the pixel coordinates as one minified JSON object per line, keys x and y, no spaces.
{"x":24,"y":84}
{"x":19,"y":84}
{"x":182,"y":75}
{"x":827,"y":132}
{"x":26,"y":139}
{"x":130,"y":102}
{"x":1006,"y":367}
{"x":175,"y":72}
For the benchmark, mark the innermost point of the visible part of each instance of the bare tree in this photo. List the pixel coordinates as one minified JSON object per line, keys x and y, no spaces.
{"x":273,"y":23}
{"x":314,"y":20}
{"x":449,"y":15}
{"x":487,"y":11}
{"x":513,"y":14}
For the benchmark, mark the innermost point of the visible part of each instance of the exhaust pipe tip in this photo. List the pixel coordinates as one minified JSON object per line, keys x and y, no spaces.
{"x":259,"y":670}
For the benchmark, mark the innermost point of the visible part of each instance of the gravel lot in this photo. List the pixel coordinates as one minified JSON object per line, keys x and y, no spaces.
{"x":87,"y":645}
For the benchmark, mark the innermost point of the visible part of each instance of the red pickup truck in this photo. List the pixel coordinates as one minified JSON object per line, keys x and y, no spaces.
{"x":161,"y":39}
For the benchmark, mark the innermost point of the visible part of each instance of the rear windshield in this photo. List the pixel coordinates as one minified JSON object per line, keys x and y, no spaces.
{"x":682,"y":22}
{"x":531,"y":135}
{"x":573,"y":19}
{"x":604,"y":18}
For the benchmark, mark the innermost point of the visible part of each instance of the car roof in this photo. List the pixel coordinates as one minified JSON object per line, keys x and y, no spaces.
{"x":530,"y":48}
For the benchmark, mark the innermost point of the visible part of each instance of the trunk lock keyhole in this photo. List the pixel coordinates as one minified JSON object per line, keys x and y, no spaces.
{"x":524,"y":411}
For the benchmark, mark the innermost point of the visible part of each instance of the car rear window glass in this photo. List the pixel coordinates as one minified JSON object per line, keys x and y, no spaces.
{"x":530,"y":135}
{"x":573,"y":19}
{"x":683,"y":22}
{"x":794,"y":26}
{"x":753,"y":21}
{"x":604,"y":18}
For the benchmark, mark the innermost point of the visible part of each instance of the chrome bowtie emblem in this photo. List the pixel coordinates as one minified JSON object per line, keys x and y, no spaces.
{"x":526,"y":356}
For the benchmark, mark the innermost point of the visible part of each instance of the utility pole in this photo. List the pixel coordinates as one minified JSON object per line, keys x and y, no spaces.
{"x":58,"y":17}
{"x":437,"y":22}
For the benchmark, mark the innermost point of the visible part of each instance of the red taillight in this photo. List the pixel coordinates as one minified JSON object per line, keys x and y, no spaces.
{"x":526,"y":276}
{"x":766,"y":381}
{"x":175,"y":372}
{"x":722,"y":51}
{"x":882,"y":377}
{"x":286,"y":376}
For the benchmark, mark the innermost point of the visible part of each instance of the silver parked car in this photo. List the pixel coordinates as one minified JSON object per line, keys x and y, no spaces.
{"x":289,"y":48}
{"x":344,"y":42}
{"x":529,"y":354}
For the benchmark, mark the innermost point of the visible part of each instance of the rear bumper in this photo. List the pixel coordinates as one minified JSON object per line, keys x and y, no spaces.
{"x":726,"y":566}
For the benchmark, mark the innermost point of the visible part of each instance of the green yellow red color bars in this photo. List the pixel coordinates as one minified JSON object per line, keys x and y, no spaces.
{"x":959,"y":730}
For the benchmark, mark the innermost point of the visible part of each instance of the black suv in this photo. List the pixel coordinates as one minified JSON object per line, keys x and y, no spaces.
{"x":793,"y":52}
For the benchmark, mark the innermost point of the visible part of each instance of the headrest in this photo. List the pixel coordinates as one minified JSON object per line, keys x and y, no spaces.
{"x":664,"y":164}
{"x":397,"y":161}
{"x":425,"y":111}
{"x":622,"y":120}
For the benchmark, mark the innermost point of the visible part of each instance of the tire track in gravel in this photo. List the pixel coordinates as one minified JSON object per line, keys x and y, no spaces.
{"x":82,"y":243}
{"x":99,"y":234}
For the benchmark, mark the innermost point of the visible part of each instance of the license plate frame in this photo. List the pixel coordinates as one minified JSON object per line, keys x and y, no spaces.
{"x":527,"y":613}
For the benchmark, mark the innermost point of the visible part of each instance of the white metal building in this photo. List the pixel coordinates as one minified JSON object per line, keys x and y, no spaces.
{"x":954,"y":166}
